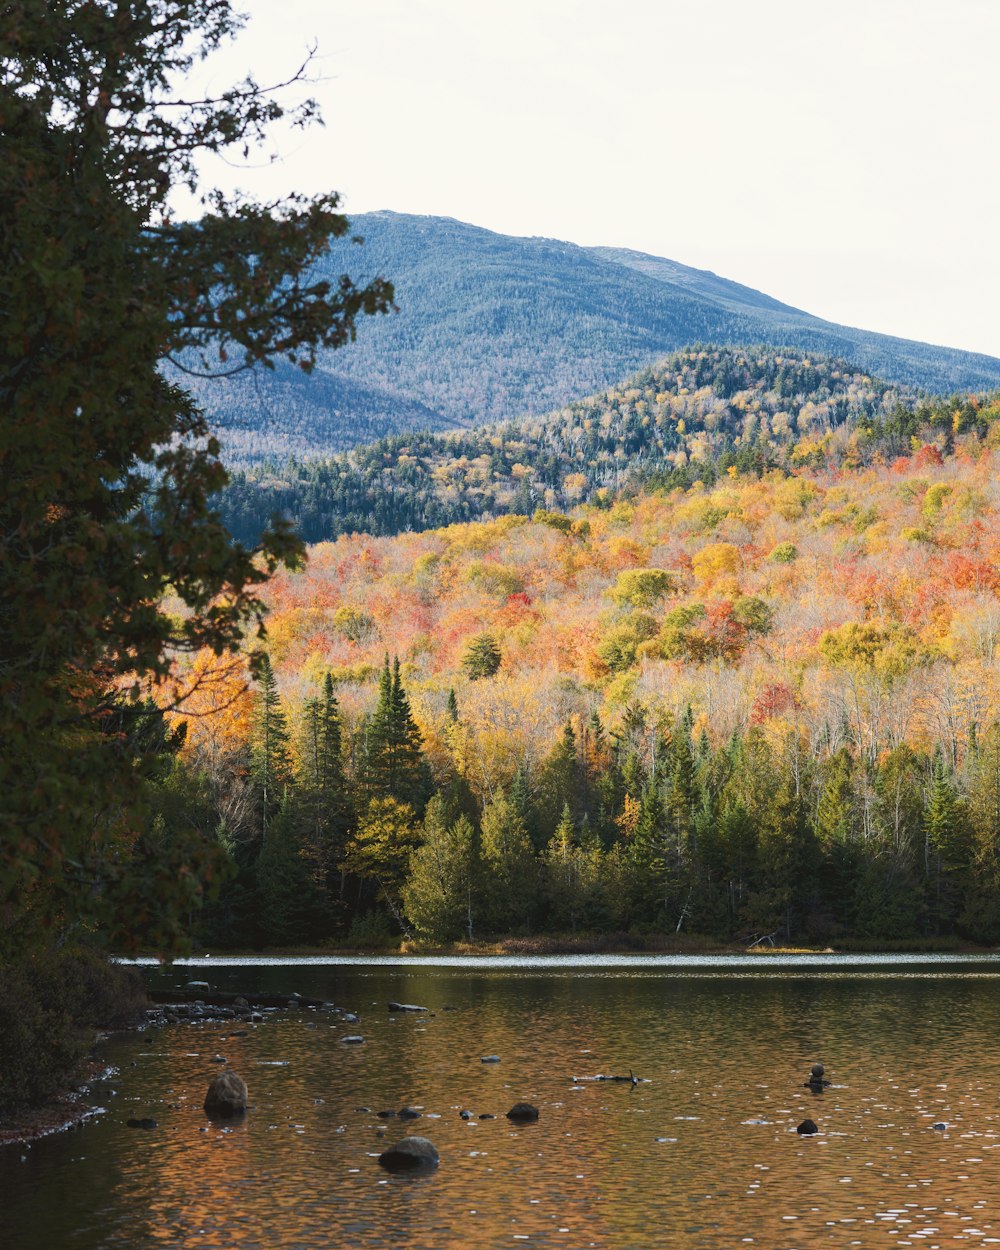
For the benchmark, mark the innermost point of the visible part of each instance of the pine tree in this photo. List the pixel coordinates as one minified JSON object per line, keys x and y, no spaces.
{"x":947,"y":846}
{"x":291,"y":908}
{"x":511,"y":891}
{"x":441,"y":895}
{"x":323,"y":789}
{"x":393,"y":764}
{"x":559,"y":783}
{"x":482,"y":657}
{"x":270,"y":759}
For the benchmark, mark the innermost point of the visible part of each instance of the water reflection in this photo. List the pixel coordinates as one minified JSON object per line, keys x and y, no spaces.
{"x":705,"y":1154}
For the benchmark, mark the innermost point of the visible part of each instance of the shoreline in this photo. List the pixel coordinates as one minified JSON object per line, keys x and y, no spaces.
{"x":66,"y":1110}
{"x":613,"y":944}
{"x":71,"y":1108}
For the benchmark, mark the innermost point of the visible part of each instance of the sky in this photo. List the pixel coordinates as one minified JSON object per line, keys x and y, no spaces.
{"x":841,"y":155}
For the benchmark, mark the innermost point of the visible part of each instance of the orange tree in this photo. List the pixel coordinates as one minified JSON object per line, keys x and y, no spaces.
{"x":108,"y":469}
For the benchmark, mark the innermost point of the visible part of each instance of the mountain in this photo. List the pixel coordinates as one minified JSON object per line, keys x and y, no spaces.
{"x":491,"y":327}
{"x":690,"y":417}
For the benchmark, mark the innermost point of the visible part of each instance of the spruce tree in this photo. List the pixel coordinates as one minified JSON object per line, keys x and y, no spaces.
{"x":441,"y":895}
{"x":270,"y":758}
{"x":511,"y":890}
{"x":324,"y":793}
{"x":393,"y":764}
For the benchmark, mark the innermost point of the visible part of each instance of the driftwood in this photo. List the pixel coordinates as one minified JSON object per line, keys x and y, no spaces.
{"x":631,"y":1079}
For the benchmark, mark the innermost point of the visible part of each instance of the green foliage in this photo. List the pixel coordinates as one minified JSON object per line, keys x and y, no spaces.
{"x":393,"y":765}
{"x":270,"y":757}
{"x":108,"y":467}
{"x":642,"y":588}
{"x":290,"y":900}
{"x":784,"y":553}
{"x":352,"y":623}
{"x":482,"y":657}
{"x":50,"y":1006}
{"x":619,"y":647}
{"x":680,"y":636}
{"x":510,"y":900}
{"x":442,"y":891}
{"x":555,"y":520}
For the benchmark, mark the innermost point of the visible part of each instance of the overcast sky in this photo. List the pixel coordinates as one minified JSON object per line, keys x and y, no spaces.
{"x":841,"y":155}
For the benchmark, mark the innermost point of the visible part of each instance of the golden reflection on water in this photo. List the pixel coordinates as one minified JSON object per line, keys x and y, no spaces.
{"x":704,"y":1154}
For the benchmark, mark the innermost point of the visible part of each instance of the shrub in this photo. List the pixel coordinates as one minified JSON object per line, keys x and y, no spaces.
{"x":50,"y":1005}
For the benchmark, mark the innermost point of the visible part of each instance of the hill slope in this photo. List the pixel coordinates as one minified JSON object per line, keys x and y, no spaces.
{"x":491,"y":327}
{"x":690,"y":417}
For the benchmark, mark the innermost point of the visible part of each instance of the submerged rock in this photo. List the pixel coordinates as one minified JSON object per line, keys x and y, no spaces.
{"x":410,"y":1154}
{"x":143,"y":1123}
{"x":227,"y":1095}
{"x":352,"y":1039}
{"x":490,"y":1059}
{"x":523,"y":1113}
{"x":409,"y":1113}
{"x":393,"y":1006}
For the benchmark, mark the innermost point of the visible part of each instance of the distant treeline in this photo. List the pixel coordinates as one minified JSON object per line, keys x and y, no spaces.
{"x":694,"y":417}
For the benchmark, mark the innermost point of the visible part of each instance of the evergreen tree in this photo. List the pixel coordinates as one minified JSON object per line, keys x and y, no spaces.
{"x":379,"y":851}
{"x":441,"y":895}
{"x":981,"y":916}
{"x":482,"y":657}
{"x":559,"y":785}
{"x":393,"y":765}
{"x":947,"y":845}
{"x":109,"y":469}
{"x":511,"y":888}
{"x":291,"y":907}
{"x":323,"y":790}
{"x":270,"y":758}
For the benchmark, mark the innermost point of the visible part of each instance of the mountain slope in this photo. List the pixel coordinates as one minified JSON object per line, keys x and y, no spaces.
{"x":690,"y":417}
{"x":491,"y":327}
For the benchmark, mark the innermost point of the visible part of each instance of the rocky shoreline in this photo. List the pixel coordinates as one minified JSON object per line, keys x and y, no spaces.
{"x":70,"y":1108}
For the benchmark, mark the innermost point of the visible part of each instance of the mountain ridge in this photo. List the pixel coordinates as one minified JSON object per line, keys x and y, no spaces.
{"x":493,"y":327}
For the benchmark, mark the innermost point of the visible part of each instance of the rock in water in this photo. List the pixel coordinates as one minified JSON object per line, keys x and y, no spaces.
{"x":807,"y":1128}
{"x":143,"y":1123}
{"x":394,"y":1006}
{"x":490,"y":1059}
{"x":523,"y":1113}
{"x":227,"y":1095}
{"x":409,"y":1154}
{"x":409,"y":1113}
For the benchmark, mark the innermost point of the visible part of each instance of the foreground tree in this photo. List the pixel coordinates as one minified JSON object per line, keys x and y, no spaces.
{"x":108,"y":468}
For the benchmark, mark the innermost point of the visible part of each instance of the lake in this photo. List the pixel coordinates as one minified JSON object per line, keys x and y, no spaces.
{"x":703,"y":1153}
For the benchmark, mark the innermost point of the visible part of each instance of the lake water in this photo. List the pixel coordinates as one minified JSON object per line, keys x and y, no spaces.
{"x":704,"y":1153}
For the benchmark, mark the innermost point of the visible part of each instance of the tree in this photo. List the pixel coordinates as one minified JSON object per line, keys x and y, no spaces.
{"x":108,"y":467}
{"x":324,"y":794}
{"x":270,"y":759}
{"x":380,"y":850}
{"x":441,"y":894}
{"x":511,"y":889}
{"x":393,"y":765}
{"x":482,"y":657}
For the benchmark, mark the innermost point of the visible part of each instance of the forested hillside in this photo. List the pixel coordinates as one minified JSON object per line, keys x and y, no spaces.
{"x":688,"y":418}
{"x":768,"y":705}
{"x":491,"y":327}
